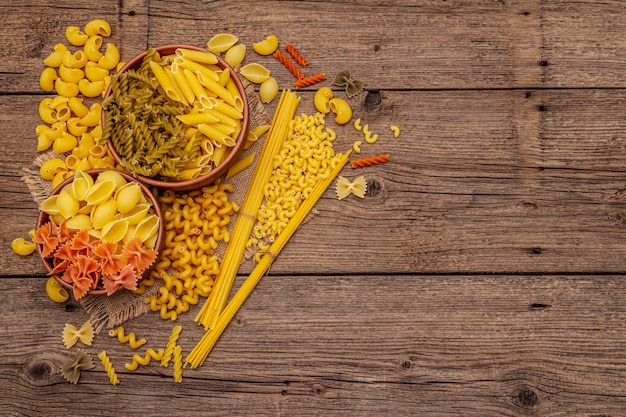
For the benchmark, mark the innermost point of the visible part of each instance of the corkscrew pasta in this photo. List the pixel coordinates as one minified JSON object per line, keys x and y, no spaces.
{"x":145,"y":360}
{"x":295,"y":54}
{"x":178,"y":364}
{"x":171,"y":344}
{"x":310,"y":80}
{"x":287,"y":63}
{"x":129,"y":338}
{"x":370,"y":160}
{"x":108,"y":367}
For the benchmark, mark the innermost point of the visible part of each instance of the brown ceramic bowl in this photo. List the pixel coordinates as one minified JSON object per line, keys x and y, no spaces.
{"x":231,"y":157}
{"x":44,"y":217}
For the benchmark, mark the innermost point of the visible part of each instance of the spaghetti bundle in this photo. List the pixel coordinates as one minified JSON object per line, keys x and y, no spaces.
{"x":200,"y":352}
{"x":285,"y":110}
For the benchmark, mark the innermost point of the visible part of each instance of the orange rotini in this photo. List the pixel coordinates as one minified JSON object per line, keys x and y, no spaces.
{"x":370,"y":160}
{"x":312,"y":79}
{"x":284,"y":59}
{"x":295,"y":54}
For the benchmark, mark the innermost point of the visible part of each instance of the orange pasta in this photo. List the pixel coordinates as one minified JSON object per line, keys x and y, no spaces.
{"x":284,"y":59}
{"x":295,"y":54}
{"x":370,"y":160}
{"x":312,"y":79}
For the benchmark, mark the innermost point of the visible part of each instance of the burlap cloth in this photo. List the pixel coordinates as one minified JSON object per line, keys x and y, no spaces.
{"x":113,"y":310}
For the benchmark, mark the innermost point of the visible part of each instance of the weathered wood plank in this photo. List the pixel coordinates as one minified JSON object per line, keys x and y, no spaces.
{"x":311,"y":345}
{"x":479,"y":181}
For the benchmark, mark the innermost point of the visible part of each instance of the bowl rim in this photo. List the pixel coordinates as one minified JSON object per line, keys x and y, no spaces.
{"x":229,"y":160}
{"x":44,"y":217}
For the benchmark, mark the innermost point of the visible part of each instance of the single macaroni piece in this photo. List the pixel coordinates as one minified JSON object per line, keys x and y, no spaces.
{"x":92,"y":48}
{"x":71,"y":334}
{"x":98,"y":27}
{"x":55,"y":59}
{"x":47,"y":78}
{"x":322,"y":99}
{"x":358,"y":187}
{"x":108,"y":367}
{"x":111,"y":57}
{"x":66,"y":89}
{"x":22,"y":247}
{"x":267,"y":46}
{"x":357,"y":124}
{"x":396,"y":130}
{"x":75,"y":36}
{"x":356,"y":146}
{"x":371,"y":139}
{"x":342,"y":110}
{"x":55,"y":291}
{"x":129,"y":338}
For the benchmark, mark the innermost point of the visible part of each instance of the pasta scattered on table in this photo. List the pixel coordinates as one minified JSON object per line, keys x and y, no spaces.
{"x":129,"y":338}
{"x":71,"y":334}
{"x":108,"y":367}
{"x":71,"y":370}
{"x":145,"y":360}
{"x":345,"y":187}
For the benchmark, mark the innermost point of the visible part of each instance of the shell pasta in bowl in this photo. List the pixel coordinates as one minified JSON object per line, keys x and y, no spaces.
{"x":99,"y":231}
{"x":175,"y":117}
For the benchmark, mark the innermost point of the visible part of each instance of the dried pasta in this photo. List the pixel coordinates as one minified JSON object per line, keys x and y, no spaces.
{"x":310,"y":80}
{"x":145,"y":360}
{"x":267,"y":46}
{"x":71,"y":334}
{"x":370,"y":160}
{"x":71,"y":370}
{"x":295,"y":54}
{"x":344,"y":79}
{"x":345,"y":187}
{"x":108,"y":367}
{"x":129,"y":338}
{"x":240,"y":165}
{"x":396,"y":130}
{"x":178,"y":364}
{"x":283,"y":59}
{"x":171,"y":345}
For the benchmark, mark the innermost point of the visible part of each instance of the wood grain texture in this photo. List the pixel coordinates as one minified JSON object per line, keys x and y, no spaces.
{"x":405,"y":345}
{"x":482,"y":274}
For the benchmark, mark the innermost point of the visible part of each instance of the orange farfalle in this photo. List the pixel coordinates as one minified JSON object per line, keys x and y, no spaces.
{"x":136,"y":255}
{"x":126,"y":278}
{"x":111,"y":263}
{"x":47,"y":236}
{"x":65,"y":252}
{"x":80,"y":241}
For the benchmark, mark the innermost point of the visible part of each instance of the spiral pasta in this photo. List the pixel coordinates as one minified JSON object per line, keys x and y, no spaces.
{"x":295,"y":54}
{"x":178,"y":364}
{"x":283,"y":59}
{"x":171,"y":345}
{"x":311,"y":79}
{"x":370,"y":160}
{"x":145,"y":360}
{"x":108,"y":367}
{"x":129,"y":338}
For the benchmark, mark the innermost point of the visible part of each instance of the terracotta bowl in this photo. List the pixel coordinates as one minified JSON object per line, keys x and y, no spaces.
{"x":231,"y":157}
{"x":44,"y":217}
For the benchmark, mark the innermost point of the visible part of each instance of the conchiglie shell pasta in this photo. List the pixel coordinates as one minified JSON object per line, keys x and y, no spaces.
{"x":49,"y":205}
{"x":103,"y":213}
{"x":221,"y":42}
{"x":147,"y":228}
{"x":100,"y":192}
{"x":127,"y":197}
{"x":137,"y":214}
{"x":81,"y":185}
{"x":235,"y":55}
{"x":255,"y":73}
{"x":268,"y":90}
{"x":111,"y":175}
{"x":114,"y":231}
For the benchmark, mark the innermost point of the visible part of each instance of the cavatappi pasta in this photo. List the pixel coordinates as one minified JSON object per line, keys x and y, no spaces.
{"x":196,"y":222}
{"x":173,"y":118}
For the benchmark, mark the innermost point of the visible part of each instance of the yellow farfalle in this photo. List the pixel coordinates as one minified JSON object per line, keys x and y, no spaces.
{"x":358,"y":187}
{"x":71,"y":334}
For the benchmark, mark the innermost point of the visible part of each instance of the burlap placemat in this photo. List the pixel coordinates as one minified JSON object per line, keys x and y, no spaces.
{"x":113,"y":310}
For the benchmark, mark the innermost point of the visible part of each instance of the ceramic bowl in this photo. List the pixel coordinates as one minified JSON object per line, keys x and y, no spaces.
{"x":43,"y":218}
{"x":229,"y":159}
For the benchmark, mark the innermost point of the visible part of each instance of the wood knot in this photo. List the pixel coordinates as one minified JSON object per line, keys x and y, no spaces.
{"x":319,"y":389}
{"x":373,"y":99}
{"x":527,"y":397}
{"x":70,"y":307}
{"x":373,"y":188}
{"x":406,"y":364}
{"x":39,"y":371}
{"x":536,"y":251}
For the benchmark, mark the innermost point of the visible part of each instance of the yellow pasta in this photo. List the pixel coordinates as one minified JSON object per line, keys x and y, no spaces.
{"x":221,"y":42}
{"x":92,"y":48}
{"x":358,"y":187}
{"x":356,"y":146}
{"x":267,"y":46}
{"x":178,"y":364}
{"x":268,"y":90}
{"x":145,"y":360}
{"x":322,"y":99}
{"x":342,"y":110}
{"x":95,"y":72}
{"x":240,"y":165}
{"x":171,"y":344}
{"x":255,"y":73}
{"x":235,"y":55}
{"x":71,"y":334}
{"x":91,"y":88}
{"x":75,"y":36}
{"x":55,"y":59}
{"x":66,"y":89}
{"x":47,"y":78}
{"x":111,"y":57}
{"x":98,"y":27}
{"x":396,"y":130}
{"x":108,"y":367}
{"x":357,"y":124}
{"x":129,"y":338}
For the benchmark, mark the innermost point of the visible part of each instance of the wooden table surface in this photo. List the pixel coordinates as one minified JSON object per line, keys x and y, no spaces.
{"x":482,"y":274}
